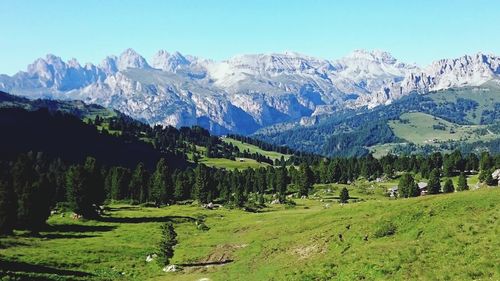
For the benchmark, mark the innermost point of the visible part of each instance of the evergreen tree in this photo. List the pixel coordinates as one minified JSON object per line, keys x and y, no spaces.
{"x":281,"y":183}
{"x":462,"y":183}
{"x":448,"y":186}
{"x":448,"y":167}
{"x":40,"y":212}
{"x":139,"y":184}
{"x":483,"y":175}
{"x":260,"y":181}
{"x":181,"y":186}
{"x":489,"y":179}
{"x":239,"y":196}
{"x":472,"y":163}
{"x":486,"y":161}
{"x":305,"y":179}
{"x":167,"y":243}
{"x":160,"y":183}
{"x":24,"y":177}
{"x":407,"y":186}
{"x":344,"y":195}
{"x":201,"y":187}
{"x":79,"y":197}
{"x":8,"y":213}
{"x":434,"y":185}
{"x":56,"y":175}
{"x":96,"y":181}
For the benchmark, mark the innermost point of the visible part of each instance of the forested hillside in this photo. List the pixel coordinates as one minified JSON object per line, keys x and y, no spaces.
{"x":355,"y":133}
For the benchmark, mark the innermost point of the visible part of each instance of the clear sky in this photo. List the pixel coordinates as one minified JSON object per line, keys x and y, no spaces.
{"x":413,"y":31}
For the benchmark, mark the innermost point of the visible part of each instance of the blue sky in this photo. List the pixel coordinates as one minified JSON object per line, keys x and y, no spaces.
{"x":413,"y":31}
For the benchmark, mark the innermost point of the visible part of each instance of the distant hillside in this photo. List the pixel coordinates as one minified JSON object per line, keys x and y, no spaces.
{"x":50,"y":126}
{"x":355,"y":133}
{"x":76,"y":108}
{"x":70,"y":139}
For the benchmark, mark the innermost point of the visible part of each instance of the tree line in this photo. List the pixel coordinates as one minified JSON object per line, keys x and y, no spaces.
{"x":121,"y":167}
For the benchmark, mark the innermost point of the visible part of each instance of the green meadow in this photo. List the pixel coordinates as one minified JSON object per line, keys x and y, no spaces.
{"x":255,"y":149}
{"x":439,"y":237}
{"x":421,"y":128}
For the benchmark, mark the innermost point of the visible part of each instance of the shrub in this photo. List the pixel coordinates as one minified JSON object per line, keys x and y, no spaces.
{"x":167,"y":243}
{"x":385,"y":228}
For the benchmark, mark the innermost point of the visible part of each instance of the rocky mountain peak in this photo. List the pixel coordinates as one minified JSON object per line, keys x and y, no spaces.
{"x":375,"y":55}
{"x":245,"y":92}
{"x":169,"y":62}
{"x":131,"y":59}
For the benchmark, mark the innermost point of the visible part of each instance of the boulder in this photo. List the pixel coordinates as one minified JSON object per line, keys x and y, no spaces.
{"x":151,"y":257}
{"x":171,"y":268}
{"x":496,"y":174}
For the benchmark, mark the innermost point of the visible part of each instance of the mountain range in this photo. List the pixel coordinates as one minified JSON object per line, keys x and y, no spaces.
{"x":244,"y":93}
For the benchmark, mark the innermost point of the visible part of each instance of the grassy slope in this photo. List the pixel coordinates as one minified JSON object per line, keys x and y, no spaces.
{"x":486,"y":96}
{"x":443,"y":237}
{"x":420,"y":130}
{"x":255,"y":149}
{"x":240,"y":163}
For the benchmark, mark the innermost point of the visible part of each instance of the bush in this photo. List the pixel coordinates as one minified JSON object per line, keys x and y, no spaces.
{"x":167,"y":243}
{"x":200,"y":223}
{"x":385,"y":228}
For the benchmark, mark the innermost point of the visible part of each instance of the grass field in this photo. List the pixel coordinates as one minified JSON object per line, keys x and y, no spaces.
{"x":255,"y":149}
{"x":239,"y":163}
{"x":419,"y":128}
{"x":486,"y":96}
{"x":442,"y":237}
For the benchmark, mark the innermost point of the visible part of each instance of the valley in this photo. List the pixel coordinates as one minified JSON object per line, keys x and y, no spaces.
{"x":301,"y":242}
{"x":250,"y":140}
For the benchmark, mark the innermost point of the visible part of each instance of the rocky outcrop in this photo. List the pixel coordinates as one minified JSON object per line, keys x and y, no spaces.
{"x":246,"y":92}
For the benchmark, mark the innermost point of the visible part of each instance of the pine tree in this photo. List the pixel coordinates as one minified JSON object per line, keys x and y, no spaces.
{"x":305,"y":179}
{"x":40,"y":212}
{"x":448,"y":166}
{"x":483,"y":175}
{"x":139,"y":184}
{"x":96,"y":181}
{"x":489,"y":178}
{"x":201,"y":186}
{"x":23,"y":178}
{"x":434,"y":185}
{"x":448,"y":186}
{"x":281,"y":183}
{"x":167,"y":243}
{"x":239,"y":195}
{"x":344,"y":195}
{"x":181,"y":186}
{"x":462,"y":183}
{"x":120,"y":180}
{"x":8,"y":214}
{"x":407,"y":186}
{"x":79,"y":197}
{"x":160,"y":183}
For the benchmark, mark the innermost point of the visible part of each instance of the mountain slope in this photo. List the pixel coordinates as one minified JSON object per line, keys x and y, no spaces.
{"x":244,"y":93}
{"x":353,"y":132}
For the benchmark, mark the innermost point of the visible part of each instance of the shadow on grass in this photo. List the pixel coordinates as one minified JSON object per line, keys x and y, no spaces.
{"x":208,"y":263}
{"x":22,"y":267}
{"x":121,"y":208}
{"x":78,"y":228}
{"x":8,"y":244}
{"x":176,"y":219}
{"x":65,"y":236}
